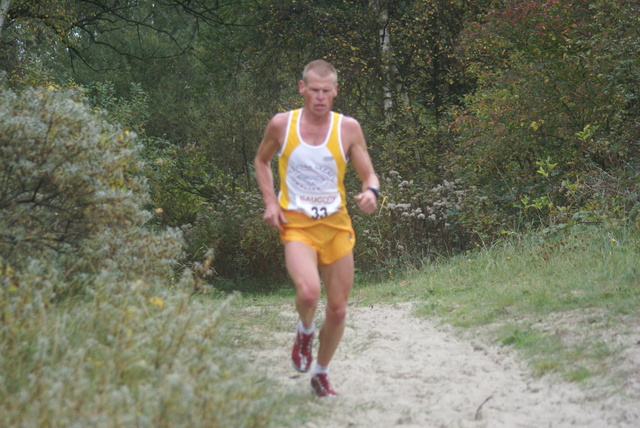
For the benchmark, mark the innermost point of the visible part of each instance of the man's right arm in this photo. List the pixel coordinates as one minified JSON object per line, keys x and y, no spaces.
{"x":271,"y":142}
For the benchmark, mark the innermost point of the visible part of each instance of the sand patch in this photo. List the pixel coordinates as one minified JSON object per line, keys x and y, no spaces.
{"x":393,"y":369}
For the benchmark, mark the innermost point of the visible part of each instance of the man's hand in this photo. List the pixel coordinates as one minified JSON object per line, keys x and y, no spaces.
{"x":274,"y":216}
{"x":367,"y":201}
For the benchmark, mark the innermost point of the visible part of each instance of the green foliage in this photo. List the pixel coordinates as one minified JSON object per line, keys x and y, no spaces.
{"x":30,"y":26}
{"x":181,"y":178}
{"x":130,"y":113}
{"x":72,"y":195}
{"x":223,"y":128}
{"x":135,"y":354}
{"x":418,"y":68}
{"x":530,"y":107}
{"x":31,"y":73}
{"x":613,"y":50}
{"x":414,"y":223}
{"x":543,"y":100}
{"x":244,"y":247}
{"x":91,"y":331}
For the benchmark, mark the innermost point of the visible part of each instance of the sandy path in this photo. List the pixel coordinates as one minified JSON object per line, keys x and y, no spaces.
{"x":396,"y":370}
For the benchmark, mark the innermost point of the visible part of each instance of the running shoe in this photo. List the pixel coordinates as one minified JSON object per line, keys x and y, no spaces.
{"x":321,"y":385}
{"x":301,"y":355}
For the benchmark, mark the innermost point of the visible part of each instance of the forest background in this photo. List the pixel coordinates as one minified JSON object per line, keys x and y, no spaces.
{"x":483,"y":118}
{"x":128,"y":129}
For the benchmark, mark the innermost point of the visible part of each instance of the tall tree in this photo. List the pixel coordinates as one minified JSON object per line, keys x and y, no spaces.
{"x":393,"y":85}
{"x":4,"y":7}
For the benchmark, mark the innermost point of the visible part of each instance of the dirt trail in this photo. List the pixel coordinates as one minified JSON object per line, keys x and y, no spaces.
{"x":393,"y":369}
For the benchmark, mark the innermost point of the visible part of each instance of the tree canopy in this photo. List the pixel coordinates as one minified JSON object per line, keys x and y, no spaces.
{"x":506,"y":113}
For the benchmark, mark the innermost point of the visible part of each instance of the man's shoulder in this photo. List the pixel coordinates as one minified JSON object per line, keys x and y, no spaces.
{"x":350,"y":123}
{"x":351,"y":133}
{"x":280,"y":120}
{"x":283,"y":115}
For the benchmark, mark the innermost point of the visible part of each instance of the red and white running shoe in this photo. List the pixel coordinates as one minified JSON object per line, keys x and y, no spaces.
{"x":321,"y":385}
{"x":301,"y":355}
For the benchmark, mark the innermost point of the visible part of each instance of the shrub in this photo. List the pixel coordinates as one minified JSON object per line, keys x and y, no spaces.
{"x":70,"y":206}
{"x":72,"y":194}
{"x":135,"y":354}
{"x":182,"y":177}
{"x":122,"y":348}
{"x":414,"y":222}
{"x":554,"y":112}
{"x":245,"y":250}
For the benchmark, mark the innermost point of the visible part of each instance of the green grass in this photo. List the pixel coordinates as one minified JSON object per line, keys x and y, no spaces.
{"x":517,"y":294}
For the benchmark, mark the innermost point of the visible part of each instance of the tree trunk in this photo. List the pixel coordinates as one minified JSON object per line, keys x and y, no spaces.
{"x":4,"y":7}
{"x":382,"y":13}
{"x":392,"y":81}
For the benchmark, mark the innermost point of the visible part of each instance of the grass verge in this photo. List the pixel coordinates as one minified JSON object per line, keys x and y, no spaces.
{"x":569,"y":304}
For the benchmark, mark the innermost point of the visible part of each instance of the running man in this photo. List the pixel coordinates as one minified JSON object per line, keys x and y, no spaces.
{"x":314,"y":145}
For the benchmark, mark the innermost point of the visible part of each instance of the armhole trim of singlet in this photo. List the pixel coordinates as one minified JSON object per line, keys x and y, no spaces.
{"x":286,"y":134}
{"x":339,"y":126}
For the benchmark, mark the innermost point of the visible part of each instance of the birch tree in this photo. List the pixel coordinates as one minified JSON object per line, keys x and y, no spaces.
{"x":392,"y":86}
{"x":4,"y":7}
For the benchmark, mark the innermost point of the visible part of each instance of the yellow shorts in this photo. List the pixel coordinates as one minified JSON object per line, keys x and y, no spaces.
{"x":332,"y":237}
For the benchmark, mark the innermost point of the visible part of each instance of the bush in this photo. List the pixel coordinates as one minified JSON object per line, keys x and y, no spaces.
{"x":554,"y":112}
{"x":71,"y":195}
{"x":182,"y":177}
{"x":91,"y":333}
{"x":415,"y":222}
{"x":245,"y":250}
{"x":135,"y":354}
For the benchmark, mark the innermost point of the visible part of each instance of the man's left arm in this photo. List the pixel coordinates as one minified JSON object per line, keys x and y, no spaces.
{"x":359,"y":155}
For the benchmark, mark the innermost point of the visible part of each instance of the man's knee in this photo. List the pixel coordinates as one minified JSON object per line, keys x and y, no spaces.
{"x":308,"y":296}
{"x":336,"y":313}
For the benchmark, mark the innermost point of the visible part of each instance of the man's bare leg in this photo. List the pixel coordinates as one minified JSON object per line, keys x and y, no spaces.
{"x":302,"y":266}
{"x":338,"y":282}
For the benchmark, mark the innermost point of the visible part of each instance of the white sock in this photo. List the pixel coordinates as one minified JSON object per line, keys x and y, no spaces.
{"x":317,"y":369}
{"x":307,"y":330}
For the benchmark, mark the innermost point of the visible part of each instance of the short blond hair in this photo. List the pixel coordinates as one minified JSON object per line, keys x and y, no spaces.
{"x":321,"y":67}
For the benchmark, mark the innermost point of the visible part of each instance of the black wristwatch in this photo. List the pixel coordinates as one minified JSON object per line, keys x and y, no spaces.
{"x":375,"y":191}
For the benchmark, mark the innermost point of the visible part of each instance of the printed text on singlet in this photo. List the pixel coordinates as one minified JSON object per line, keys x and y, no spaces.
{"x":316,"y":192}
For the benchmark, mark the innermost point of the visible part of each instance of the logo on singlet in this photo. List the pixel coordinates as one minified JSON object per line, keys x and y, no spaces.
{"x":312,"y":177}
{"x":318,"y":199}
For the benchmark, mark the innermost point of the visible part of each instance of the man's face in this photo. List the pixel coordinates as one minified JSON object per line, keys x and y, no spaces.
{"x":318,"y":93}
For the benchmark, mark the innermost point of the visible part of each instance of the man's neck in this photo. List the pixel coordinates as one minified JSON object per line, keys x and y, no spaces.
{"x":314,"y":128}
{"x":314,"y":119}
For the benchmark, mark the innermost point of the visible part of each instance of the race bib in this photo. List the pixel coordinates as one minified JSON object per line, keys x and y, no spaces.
{"x":319,"y":205}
